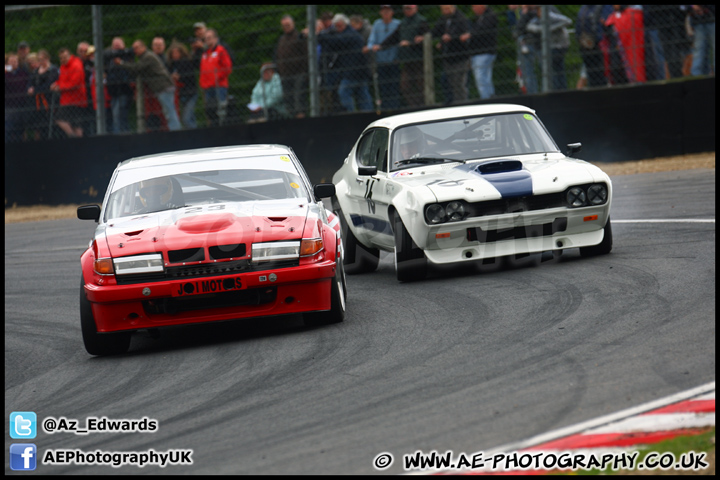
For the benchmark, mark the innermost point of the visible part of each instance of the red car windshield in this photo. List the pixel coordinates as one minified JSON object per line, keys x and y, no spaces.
{"x":201,"y":188}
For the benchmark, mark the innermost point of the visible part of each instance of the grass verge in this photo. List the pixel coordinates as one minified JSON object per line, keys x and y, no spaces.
{"x":702,"y":442}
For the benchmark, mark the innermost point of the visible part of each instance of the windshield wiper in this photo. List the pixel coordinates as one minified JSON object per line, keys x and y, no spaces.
{"x":428,"y":160}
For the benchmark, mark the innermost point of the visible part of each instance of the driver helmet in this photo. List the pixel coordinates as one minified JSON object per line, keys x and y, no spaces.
{"x":412,"y":142}
{"x":156,"y":192}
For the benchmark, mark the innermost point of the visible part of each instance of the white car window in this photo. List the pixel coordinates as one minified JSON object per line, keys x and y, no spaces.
{"x":364,"y":149}
{"x":372,"y":149}
{"x":469,"y":138}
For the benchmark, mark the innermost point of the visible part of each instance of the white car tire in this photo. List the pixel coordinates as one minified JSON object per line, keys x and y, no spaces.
{"x":410,"y":260}
{"x":601,"y":248}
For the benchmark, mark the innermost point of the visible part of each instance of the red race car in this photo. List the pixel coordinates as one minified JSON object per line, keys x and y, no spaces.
{"x":207,"y":235}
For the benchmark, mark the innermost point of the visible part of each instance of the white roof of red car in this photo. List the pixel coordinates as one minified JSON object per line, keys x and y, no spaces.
{"x":203,"y":154}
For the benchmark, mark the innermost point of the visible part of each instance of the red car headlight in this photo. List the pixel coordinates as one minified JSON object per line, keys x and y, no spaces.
{"x":149,"y":263}
{"x":273,"y":251}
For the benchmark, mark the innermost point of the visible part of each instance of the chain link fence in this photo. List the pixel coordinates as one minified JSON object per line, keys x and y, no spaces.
{"x":175,"y":67}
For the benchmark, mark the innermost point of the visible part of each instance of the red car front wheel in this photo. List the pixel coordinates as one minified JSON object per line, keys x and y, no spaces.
{"x":99,"y":343}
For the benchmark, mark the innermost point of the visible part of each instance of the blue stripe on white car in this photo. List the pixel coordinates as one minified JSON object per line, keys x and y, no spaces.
{"x":373,"y":224}
{"x":507,"y":176}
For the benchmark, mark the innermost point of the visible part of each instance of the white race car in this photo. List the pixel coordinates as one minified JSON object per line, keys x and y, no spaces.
{"x":463,"y":184}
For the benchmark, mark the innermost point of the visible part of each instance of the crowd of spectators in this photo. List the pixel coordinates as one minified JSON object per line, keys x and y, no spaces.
{"x":362,"y":65}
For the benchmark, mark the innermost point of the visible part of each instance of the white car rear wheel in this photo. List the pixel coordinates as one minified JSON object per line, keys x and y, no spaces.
{"x":410,"y":260}
{"x":357,"y":257}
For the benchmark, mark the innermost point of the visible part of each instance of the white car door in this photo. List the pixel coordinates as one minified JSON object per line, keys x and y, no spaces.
{"x":369,"y":193}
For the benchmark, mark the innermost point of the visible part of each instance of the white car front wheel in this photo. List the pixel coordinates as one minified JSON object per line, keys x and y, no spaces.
{"x":410,"y":260}
{"x":601,"y":248}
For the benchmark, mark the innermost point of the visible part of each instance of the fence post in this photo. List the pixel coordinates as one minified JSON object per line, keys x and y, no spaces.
{"x":99,"y":70}
{"x":546,"y":52}
{"x":140,"y":105}
{"x":428,"y":69}
{"x":313,"y":83}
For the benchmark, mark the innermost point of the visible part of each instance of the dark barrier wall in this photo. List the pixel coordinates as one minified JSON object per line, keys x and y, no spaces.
{"x":617,"y":124}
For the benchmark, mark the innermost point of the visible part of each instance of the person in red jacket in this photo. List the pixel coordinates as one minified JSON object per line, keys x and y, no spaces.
{"x":215,"y":68}
{"x":628,"y":23}
{"x":73,"y":94}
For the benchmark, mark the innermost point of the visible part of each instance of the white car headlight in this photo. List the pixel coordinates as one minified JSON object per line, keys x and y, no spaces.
{"x":150,"y":263}
{"x":455,"y":211}
{"x":597,"y":194}
{"x":576,"y":197}
{"x":264,"y":252}
{"x":435,"y":213}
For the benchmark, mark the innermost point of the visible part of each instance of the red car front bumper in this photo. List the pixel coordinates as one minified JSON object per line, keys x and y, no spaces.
{"x":297,"y":289}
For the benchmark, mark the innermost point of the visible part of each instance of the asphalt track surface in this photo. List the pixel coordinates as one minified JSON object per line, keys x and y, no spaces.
{"x":465,"y":360}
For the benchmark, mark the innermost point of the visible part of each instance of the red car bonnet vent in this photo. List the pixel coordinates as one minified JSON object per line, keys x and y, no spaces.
{"x":132,"y":234}
{"x":277,"y":219}
{"x":206,"y":223}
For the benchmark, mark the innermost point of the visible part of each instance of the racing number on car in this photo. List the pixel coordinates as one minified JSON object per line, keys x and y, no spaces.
{"x":208,"y":286}
{"x":368,"y":194}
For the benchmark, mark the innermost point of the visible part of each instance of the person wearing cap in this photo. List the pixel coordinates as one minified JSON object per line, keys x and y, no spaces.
{"x":408,"y":37}
{"x":388,"y":68}
{"x":350,"y":64}
{"x":267,"y":99}
{"x":197,"y":41}
{"x":23,"y":49}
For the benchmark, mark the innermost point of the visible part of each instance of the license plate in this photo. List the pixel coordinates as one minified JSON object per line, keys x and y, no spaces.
{"x":200,"y":287}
